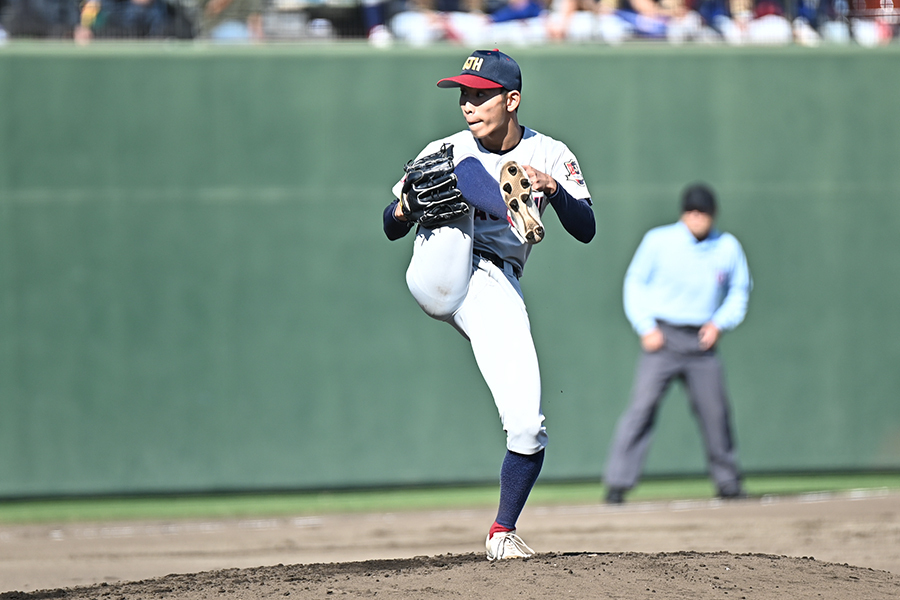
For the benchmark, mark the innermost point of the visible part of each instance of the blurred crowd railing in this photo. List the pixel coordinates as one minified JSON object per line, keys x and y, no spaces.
{"x":473,"y":23}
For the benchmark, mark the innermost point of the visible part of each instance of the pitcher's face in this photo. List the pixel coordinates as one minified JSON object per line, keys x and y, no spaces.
{"x":486,"y":112}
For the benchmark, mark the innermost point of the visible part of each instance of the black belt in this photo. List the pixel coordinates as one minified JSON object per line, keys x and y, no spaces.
{"x":498,"y":261}
{"x":690,"y":328}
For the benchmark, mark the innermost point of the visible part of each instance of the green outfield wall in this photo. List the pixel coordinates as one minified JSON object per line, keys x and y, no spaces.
{"x":196,"y":294}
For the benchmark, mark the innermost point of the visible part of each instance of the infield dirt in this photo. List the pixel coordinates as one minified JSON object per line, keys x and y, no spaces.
{"x":840,"y":546}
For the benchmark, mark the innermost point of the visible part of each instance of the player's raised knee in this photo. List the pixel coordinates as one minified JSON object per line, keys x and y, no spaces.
{"x":438,"y":300}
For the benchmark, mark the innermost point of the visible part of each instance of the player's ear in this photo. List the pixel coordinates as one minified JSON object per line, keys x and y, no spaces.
{"x":513,"y":98}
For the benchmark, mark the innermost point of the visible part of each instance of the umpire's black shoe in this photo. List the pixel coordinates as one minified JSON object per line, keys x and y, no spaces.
{"x":615,"y":496}
{"x":735,"y":493}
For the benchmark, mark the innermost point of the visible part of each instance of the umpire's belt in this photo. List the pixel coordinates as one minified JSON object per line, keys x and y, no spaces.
{"x":498,"y":261}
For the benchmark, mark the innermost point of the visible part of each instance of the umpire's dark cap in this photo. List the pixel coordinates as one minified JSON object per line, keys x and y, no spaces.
{"x":487,"y":69}
{"x":699,"y":197}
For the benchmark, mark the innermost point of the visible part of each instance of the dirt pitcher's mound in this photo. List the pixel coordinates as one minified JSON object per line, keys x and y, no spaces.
{"x":577,"y":576}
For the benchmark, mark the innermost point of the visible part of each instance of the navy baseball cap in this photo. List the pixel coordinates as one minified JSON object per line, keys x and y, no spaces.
{"x":698,"y":197}
{"x":487,"y":69}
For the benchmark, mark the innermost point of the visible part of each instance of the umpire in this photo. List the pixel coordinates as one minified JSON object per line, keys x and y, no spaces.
{"x":686,"y":283}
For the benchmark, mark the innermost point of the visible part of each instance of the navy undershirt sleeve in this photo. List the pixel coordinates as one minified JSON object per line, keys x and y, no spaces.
{"x":394,"y":229}
{"x":576,"y":215}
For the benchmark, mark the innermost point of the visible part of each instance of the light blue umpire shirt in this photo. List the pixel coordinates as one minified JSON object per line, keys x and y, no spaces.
{"x":675,"y":278}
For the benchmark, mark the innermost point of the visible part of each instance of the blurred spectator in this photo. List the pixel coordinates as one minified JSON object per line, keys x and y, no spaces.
{"x":374,"y":17}
{"x":769,"y":25}
{"x":871,"y":32}
{"x":830,"y":20}
{"x":872,"y":21}
{"x":41,"y":18}
{"x":518,"y":22}
{"x":615,"y":21}
{"x":231,"y":20}
{"x":573,"y":20}
{"x":671,"y":20}
{"x":471,"y":22}
{"x":611,"y":28}
{"x":421,"y":22}
{"x":667,"y":19}
{"x":133,"y":19}
{"x":761,"y":24}
{"x":766,"y":22}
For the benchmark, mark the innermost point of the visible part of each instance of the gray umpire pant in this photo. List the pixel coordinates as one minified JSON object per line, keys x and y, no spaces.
{"x":701,"y":372}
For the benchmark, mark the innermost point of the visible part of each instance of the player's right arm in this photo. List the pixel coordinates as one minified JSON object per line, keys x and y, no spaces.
{"x":564,"y":189}
{"x":575,"y":214}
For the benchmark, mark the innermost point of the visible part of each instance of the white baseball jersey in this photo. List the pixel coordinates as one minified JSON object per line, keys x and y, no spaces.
{"x":535,"y":149}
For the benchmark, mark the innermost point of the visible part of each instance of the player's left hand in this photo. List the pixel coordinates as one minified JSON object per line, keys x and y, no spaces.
{"x":708,"y":336}
{"x":540,"y":182}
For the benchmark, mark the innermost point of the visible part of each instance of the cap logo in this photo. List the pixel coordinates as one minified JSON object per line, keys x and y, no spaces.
{"x":473,"y":64}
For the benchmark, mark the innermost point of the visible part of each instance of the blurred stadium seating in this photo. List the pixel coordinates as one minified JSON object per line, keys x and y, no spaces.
{"x":470,"y":22}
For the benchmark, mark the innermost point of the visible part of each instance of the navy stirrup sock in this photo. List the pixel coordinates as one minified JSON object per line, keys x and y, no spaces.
{"x":478,"y":187}
{"x":517,"y":476}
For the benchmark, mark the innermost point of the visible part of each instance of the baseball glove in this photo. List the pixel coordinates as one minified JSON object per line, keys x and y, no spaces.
{"x":430,"y":196}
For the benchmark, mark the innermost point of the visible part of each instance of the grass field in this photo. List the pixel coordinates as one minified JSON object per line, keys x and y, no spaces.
{"x":394,"y":500}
